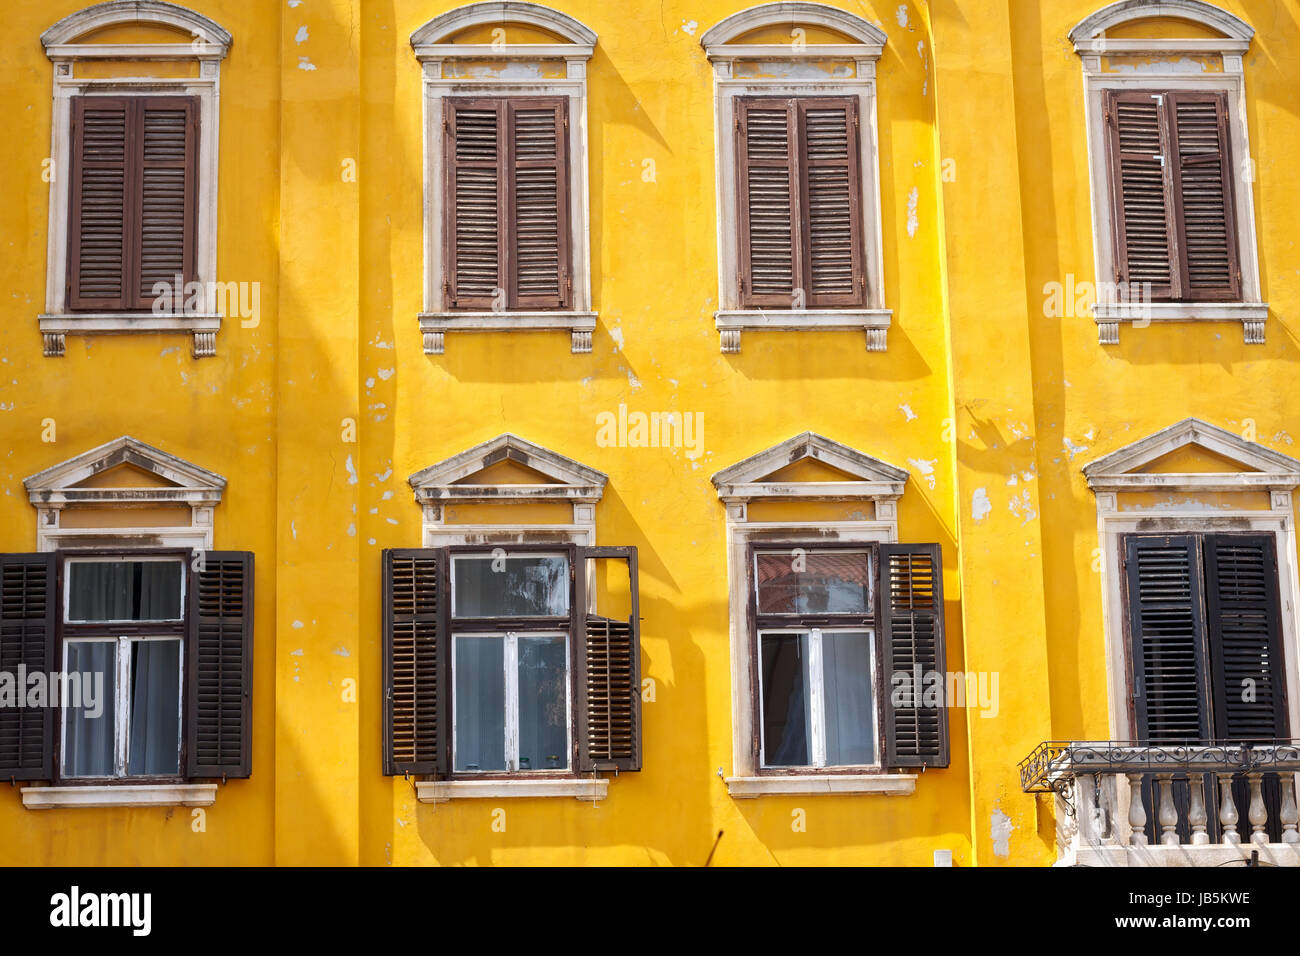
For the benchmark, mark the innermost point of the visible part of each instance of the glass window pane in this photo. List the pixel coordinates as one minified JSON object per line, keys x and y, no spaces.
{"x":124,"y":590}
{"x":89,"y":732}
{"x":519,"y":586}
{"x":786,"y":726}
{"x":543,"y":704}
{"x":479,"y":673}
{"x":154,"y":747}
{"x":813,"y":582}
{"x":847,"y":689}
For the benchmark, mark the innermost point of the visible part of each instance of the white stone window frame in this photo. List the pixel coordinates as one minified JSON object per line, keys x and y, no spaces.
{"x":433,"y":49}
{"x":878,"y":485}
{"x":51,"y":490}
{"x":1091,"y":43}
{"x":575,"y":484}
{"x":731,"y":318}
{"x":1116,"y":473}
{"x":208,"y":48}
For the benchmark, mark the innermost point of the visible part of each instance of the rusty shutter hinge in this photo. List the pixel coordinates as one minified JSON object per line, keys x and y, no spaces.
{"x":740,"y":281}
{"x":446,"y":127}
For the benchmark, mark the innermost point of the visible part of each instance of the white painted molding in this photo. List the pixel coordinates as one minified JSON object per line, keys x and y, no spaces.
{"x":434,"y":326}
{"x":745,"y":480}
{"x":814,"y":785}
{"x":1109,"y":316}
{"x":442,"y":791}
{"x":1089,"y":34}
{"x":492,"y":12}
{"x":151,"y":795}
{"x":201,"y":327}
{"x":792,"y":14}
{"x":206,"y":32}
{"x":874,"y":322}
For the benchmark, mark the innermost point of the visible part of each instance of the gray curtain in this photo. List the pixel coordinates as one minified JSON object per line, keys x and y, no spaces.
{"x":124,"y":590}
{"x":846,"y":682}
{"x":543,"y":697}
{"x":154,"y":747}
{"x":479,"y":674}
{"x":88,"y":742}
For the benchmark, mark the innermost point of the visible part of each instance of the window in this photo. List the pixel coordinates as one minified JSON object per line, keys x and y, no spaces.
{"x":531,"y":668}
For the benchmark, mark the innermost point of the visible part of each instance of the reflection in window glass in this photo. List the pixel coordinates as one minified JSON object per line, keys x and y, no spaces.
{"x":124,"y":590}
{"x":846,"y":684}
{"x":543,"y":704}
{"x":89,"y":736}
{"x":799,"y":581}
{"x":786,"y":725}
{"x":480,"y":703}
{"x":517,"y":586}
{"x":154,"y":747}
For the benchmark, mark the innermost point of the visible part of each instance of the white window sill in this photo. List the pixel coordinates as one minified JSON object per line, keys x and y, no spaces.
{"x":875,"y":322}
{"x":202,"y":325}
{"x":434,"y":325}
{"x":440,"y":791}
{"x":150,"y":795}
{"x":809,"y":785}
{"x":1109,"y":316}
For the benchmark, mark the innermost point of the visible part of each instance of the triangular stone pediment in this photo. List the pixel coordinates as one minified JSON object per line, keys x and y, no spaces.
{"x":508,"y":468}
{"x":810,"y":466}
{"x":125,"y":469}
{"x":1193,"y":455}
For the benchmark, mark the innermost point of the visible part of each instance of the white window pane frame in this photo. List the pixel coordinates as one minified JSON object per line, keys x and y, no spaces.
{"x":121,"y":559}
{"x":814,"y":679}
{"x":510,"y":667}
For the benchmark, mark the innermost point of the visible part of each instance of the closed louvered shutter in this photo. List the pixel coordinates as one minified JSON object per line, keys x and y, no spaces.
{"x":415,"y":668}
{"x":219,"y":667}
{"x":1167,"y":631}
{"x":133,"y":202}
{"x":97,"y":253}
{"x":28,"y":606}
{"x":1202,"y":184}
{"x":1245,"y":637}
{"x":609,"y":673}
{"x":799,"y":202}
{"x":1142,"y":213}
{"x":912,"y":636}
{"x":508,"y":203}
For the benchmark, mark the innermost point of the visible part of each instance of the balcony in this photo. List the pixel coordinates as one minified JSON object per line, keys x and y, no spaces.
{"x":1202,"y":804}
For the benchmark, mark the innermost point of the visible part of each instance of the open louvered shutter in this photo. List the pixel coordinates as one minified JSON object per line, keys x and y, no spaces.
{"x":28,"y":607}
{"x":166,"y":160}
{"x":1202,"y":185}
{"x":1143,"y":223}
{"x":912,"y":639}
{"x":538,"y":223}
{"x":608,"y":678}
{"x":219,"y":666}
{"x":1245,"y":637}
{"x":1166,"y":630}
{"x":99,"y":202}
{"x":767,"y":213}
{"x":415,"y":667}
{"x":475,"y":203}
{"x":830,"y":204}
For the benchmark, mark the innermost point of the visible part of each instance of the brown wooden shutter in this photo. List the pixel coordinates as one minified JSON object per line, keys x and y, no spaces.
{"x":475,"y":202}
{"x":767,"y":200}
{"x":608,"y":678}
{"x":1245,"y":637}
{"x":910,"y":598}
{"x":538,"y":224}
{"x":219,"y":667}
{"x":99,"y":203}
{"x":830,"y":204}
{"x":1202,"y":185}
{"x":166,"y":152}
{"x":28,"y":609}
{"x":416,"y":692}
{"x":1167,"y":634}
{"x":1142,"y":214}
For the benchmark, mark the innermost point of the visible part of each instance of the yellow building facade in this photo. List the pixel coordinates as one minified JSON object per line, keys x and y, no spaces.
{"x":336,"y":390}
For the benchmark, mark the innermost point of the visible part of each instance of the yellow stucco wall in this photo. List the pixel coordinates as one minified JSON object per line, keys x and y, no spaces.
{"x":984,"y":199}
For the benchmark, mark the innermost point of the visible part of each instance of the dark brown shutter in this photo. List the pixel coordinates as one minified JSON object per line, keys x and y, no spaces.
{"x":912,"y":638}
{"x":1245,"y":637}
{"x":538,"y":225}
{"x":831,"y":202}
{"x":219,"y":666}
{"x":98,"y":204}
{"x":166,"y":151}
{"x":416,"y":693}
{"x":1202,"y":185}
{"x":1142,"y":213}
{"x":767,"y":198}
{"x":1167,"y":632}
{"x":608,"y":678}
{"x":28,"y":607}
{"x":475,"y":202}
